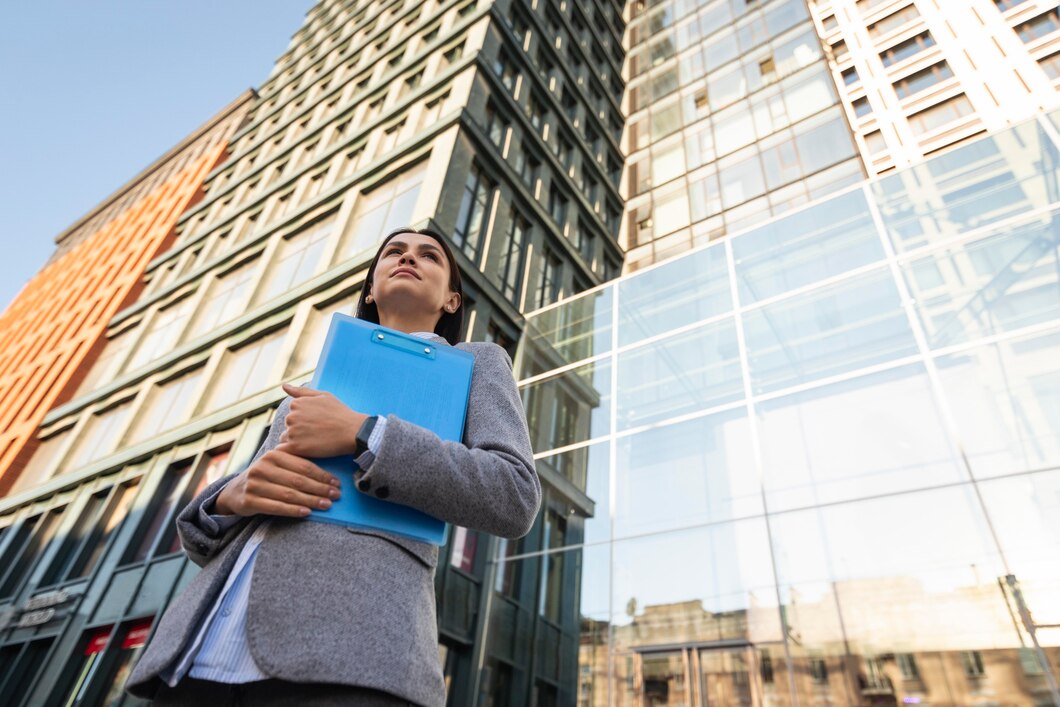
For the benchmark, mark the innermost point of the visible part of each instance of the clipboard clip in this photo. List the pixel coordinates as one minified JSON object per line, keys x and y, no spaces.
{"x":403,"y":342}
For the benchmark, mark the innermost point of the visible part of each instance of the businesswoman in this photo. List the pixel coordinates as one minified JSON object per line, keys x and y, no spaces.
{"x":289,"y":611}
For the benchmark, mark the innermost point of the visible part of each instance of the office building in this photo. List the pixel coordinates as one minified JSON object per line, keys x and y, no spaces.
{"x":52,"y":332}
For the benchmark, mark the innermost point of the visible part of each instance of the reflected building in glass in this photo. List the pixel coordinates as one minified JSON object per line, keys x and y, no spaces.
{"x":815,"y":462}
{"x":740,"y":111}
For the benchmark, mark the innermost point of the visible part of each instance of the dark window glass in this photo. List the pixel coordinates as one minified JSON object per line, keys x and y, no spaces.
{"x":34,"y":534}
{"x":510,"y":268}
{"x":161,"y":513}
{"x":71,"y":542}
{"x":117,"y":510}
{"x":548,"y":284}
{"x":557,"y":206}
{"x":24,"y":666}
{"x":474,"y":205}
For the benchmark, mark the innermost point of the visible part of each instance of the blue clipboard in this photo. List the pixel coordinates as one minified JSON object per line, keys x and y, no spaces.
{"x":381,"y":371}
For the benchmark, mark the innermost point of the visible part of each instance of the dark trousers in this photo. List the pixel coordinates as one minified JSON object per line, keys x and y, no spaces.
{"x":271,"y":693}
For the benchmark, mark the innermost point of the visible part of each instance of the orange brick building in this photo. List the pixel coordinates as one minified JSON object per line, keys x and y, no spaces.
{"x":53,"y":330}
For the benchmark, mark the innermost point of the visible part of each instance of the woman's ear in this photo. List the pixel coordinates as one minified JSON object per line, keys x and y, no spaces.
{"x":453,"y":303}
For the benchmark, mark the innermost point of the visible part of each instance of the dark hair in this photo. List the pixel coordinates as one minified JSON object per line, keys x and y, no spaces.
{"x":450,"y":325}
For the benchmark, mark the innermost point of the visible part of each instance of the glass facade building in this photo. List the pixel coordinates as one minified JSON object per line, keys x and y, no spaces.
{"x":816,"y":462}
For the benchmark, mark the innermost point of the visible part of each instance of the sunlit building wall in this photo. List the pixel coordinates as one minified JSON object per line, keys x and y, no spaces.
{"x":53,"y":330}
{"x":820,"y":457}
{"x":917,"y":76}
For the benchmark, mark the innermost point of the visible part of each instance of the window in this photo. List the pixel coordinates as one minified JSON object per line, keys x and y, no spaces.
{"x":244,"y":371}
{"x":1003,"y":5}
{"x":465,"y":546}
{"x":850,"y":76}
{"x":875,"y":142}
{"x":99,"y":435}
{"x":474,"y":205}
{"x":390,"y":138}
{"x":157,"y":517}
{"x":941,"y":114}
{"x":386,"y":207}
{"x":411,"y":83}
{"x":531,"y":167}
{"x":907,"y":666}
{"x":862,"y":107}
{"x":311,"y":338}
{"x":102,"y":530}
{"x":167,"y":405}
{"x":548,"y":286}
{"x":431,"y":111}
{"x":22,"y":552}
{"x":496,"y":125}
{"x":537,"y":113}
{"x":224,"y":300}
{"x":819,"y":670}
{"x":451,"y":56}
{"x":908,"y":48}
{"x":893,"y":21}
{"x":215,"y":464}
{"x":162,"y":333}
{"x":505,"y":69}
{"x":922,"y":80}
{"x":315,"y":186}
{"x":1051,"y":66}
{"x":297,"y":259}
{"x":1038,"y":27}
{"x":557,"y":206}
{"x":972,"y":662}
{"x":509,"y":273}
{"x":551,"y":602}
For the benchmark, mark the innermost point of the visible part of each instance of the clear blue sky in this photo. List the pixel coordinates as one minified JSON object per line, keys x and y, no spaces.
{"x":95,"y":91}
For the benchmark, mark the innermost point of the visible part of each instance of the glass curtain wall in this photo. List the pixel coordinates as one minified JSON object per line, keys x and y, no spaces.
{"x":733,"y":118}
{"x":821,"y":458}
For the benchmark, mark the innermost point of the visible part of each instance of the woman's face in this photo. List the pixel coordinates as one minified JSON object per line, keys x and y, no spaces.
{"x":413,"y":273}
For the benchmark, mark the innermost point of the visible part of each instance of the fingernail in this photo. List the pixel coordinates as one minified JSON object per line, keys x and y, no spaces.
{"x":333,"y":481}
{"x":304,"y":511}
{"x":334,"y":493}
{"x":325,"y":503}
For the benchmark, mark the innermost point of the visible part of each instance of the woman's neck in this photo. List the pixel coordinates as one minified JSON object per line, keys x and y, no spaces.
{"x":410,"y":324}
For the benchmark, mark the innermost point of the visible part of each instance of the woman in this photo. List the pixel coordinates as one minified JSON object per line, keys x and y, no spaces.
{"x":292,"y":611}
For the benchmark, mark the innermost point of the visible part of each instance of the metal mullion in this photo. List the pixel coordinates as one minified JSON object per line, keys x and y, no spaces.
{"x":756,"y":447}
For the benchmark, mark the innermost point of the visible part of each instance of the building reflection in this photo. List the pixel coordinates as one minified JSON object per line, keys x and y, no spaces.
{"x":817,"y":463}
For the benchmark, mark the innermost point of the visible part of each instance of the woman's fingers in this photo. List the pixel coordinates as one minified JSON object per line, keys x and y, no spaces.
{"x":260,"y":495}
{"x":283,"y":459}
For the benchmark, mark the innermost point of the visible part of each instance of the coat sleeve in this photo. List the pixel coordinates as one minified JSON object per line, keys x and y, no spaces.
{"x":203,"y":533}
{"x":488,"y":482}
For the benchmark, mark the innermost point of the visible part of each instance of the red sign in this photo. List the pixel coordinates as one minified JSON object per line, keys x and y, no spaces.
{"x":137,"y":634}
{"x":98,"y":641}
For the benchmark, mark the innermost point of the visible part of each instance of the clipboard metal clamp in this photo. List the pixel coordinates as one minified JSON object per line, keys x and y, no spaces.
{"x":403,"y":342}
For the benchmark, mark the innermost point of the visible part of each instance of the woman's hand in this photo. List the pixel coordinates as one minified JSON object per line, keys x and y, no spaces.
{"x":319,"y":425}
{"x":279,"y":483}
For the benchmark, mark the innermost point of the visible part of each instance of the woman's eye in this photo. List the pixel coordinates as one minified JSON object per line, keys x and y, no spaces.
{"x":432,"y":256}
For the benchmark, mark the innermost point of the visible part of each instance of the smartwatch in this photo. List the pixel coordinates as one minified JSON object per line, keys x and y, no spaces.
{"x":363,"y":434}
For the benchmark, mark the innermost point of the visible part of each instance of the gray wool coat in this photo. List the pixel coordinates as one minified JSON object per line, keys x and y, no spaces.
{"x":342,"y":605}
